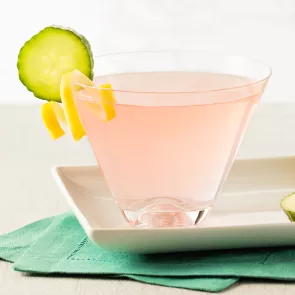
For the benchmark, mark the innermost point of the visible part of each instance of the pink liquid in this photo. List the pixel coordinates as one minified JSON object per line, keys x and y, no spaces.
{"x":169,"y":152}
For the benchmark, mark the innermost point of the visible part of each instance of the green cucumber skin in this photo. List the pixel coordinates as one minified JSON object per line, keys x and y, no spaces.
{"x":75,"y":34}
{"x":290,"y":214}
{"x":84,"y":41}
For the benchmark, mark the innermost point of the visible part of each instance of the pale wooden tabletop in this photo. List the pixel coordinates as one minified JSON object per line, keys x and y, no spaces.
{"x":28,"y":193}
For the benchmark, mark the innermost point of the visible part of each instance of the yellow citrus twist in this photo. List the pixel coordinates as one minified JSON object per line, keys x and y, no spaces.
{"x":53,"y":114}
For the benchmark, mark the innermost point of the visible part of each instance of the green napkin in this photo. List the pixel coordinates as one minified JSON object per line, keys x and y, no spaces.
{"x":59,"y":245}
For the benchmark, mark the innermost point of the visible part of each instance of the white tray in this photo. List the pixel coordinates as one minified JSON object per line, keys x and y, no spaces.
{"x":247,"y":212}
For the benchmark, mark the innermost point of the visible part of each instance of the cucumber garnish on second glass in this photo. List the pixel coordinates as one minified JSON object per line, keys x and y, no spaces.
{"x":288,"y":206}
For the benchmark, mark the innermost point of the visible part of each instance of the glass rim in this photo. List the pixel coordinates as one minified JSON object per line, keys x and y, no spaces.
{"x":217,"y":54}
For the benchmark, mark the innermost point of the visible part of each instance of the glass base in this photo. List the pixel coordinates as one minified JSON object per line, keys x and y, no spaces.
{"x":165,"y":214}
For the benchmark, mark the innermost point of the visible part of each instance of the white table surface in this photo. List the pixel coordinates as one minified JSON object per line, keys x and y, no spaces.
{"x":28,"y":193}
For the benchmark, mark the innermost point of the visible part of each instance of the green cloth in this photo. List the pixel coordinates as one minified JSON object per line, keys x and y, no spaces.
{"x":59,"y":245}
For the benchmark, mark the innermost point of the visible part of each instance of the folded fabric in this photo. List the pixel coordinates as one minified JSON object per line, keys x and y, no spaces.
{"x":55,"y":245}
{"x":59,"y":245}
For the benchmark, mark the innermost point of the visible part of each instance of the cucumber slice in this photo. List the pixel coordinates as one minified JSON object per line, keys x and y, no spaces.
{"x":288,"y":205}
{"x":48,"y":55}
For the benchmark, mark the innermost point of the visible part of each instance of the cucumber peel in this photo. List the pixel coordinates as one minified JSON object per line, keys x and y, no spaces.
{"x":288,"y":206}
{"x":48,"y":55}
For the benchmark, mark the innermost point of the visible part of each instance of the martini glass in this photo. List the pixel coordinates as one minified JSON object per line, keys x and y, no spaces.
{"x":180,"y":118}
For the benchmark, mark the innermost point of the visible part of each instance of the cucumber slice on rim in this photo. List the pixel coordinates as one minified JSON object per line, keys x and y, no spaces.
{"x":288,"y":205}
{"x":48,"y":55}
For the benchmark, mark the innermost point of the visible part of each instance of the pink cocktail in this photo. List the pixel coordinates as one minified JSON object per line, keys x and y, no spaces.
{"x":180,"y":117}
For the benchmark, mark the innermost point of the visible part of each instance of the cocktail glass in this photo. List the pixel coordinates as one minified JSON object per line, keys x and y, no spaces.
{"x":180,"y":118}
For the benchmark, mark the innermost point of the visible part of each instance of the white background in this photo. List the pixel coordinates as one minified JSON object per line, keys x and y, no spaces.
{"x":263,"y":29}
